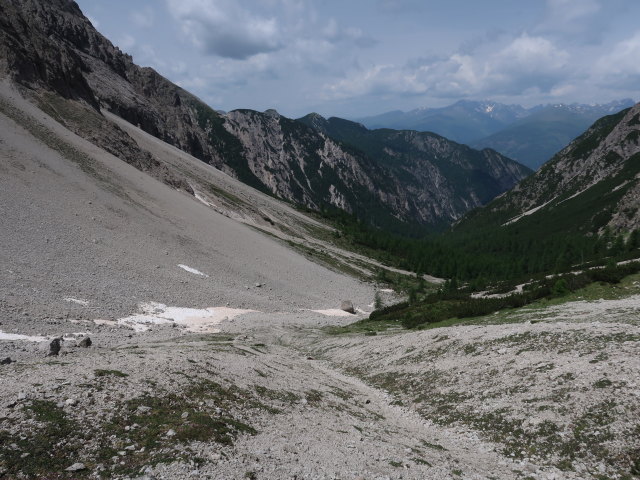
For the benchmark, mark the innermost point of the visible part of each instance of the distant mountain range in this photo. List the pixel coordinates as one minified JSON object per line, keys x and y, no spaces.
{"x":530,"y":136}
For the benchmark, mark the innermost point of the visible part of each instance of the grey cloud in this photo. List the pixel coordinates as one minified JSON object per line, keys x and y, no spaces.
{"x":224,"y":28}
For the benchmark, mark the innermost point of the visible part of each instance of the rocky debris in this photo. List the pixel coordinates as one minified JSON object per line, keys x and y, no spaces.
{"x":6,"y":361}
{"x":85,"y":342}
{"x":347,"y":306}
{"x":54,"y":347}
{"x":76,"y":467}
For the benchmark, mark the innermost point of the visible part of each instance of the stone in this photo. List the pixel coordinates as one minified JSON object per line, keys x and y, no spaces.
{"x":347,"y":306}
{"x":143,"y":409}
{"x":171,"y":433}
{"x":54,"y":347}
{"x":6,"y":361}
{"x":85,"y":342}
{"x":76,"y":467}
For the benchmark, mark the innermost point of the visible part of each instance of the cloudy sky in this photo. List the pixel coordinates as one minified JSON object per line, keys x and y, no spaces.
{"x":354,"y":58}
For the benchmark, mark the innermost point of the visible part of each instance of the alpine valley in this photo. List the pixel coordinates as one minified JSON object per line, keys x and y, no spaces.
{"x":186,"y":293}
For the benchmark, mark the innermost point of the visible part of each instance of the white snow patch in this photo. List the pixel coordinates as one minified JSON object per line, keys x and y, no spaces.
{"x":99,"y":321}
{"x":15,"y":337}
{"x":79,"y":301}
{"x":192,"y":270}
{"x":333,"y":312}
{"x":386,"y":290}
{"x":193,"y":319}
{"x":620,"y":186}
{"x":202,"y":199}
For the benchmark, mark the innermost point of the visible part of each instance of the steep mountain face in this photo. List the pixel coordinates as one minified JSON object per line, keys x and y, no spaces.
{"x":451,"y":177}
{"x":74,"y":74}
{"x":534,"y":139}
{"x":464,"y":121}
{"x":591,"y":184}
{"x":51,"y":48}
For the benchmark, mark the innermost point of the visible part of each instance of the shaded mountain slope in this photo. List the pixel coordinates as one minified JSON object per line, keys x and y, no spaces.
{"x":596,"y":175}
{"x":450,"y":177}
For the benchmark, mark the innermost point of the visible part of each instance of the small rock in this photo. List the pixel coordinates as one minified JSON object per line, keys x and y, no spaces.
{"x":54,"y":347}
{"x":185,"y":415}
{"x":76,"y":467}
{"x":85,"y":342}
{"x":367,"y":401}
{"x":171,"y":433}
{"x":143,"y":409}
{"x":258,"y":285}
{"x":6,"y":361}
{"x":70,"y":402}
{"x":347,"y":306}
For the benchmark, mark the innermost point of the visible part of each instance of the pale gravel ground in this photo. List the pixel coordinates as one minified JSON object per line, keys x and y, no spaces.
{"x":76,"y":250}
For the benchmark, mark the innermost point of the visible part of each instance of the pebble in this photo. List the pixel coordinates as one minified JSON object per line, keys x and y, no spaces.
{"x":76,"y":467}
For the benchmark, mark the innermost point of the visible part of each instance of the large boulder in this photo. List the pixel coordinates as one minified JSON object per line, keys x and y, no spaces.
{"x":347,"y":306}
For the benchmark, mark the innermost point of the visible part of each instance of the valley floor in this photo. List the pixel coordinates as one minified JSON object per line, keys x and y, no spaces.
{"x":273,"y":396}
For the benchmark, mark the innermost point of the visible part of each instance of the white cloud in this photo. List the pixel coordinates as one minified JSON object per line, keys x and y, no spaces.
{"x":240,"y":29}
{"x":143,"y":18}
{"x":621,"y":66}
{"x":525,"y":64}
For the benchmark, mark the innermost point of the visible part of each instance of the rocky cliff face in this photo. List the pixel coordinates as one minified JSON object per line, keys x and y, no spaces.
{"x":440,"y":179}
{"x":73,"y":72}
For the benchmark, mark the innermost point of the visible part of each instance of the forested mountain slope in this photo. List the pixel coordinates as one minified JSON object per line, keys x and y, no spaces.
{"x":444,"y":174}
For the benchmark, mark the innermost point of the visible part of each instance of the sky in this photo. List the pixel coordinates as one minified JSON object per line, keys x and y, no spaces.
{"x":354,"y":58}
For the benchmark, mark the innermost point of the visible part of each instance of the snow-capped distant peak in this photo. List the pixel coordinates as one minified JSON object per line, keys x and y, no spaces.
{"x":489,"y":108}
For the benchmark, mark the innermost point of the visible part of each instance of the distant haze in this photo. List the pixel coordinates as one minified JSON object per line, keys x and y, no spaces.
{"x":364,"y":57}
